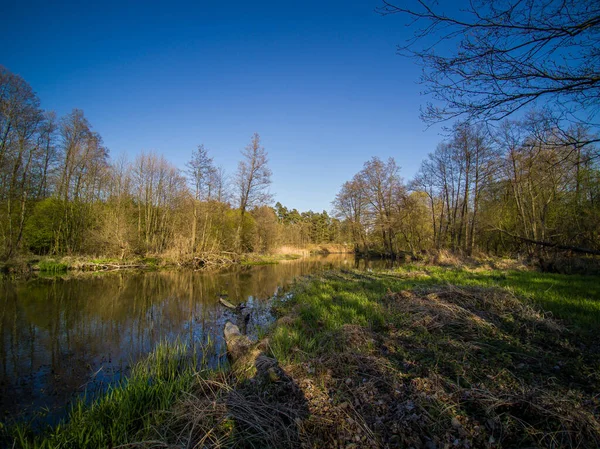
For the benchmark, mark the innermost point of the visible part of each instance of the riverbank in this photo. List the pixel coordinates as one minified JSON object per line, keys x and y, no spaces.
{"x":420,"y":356}
{"x":203,"y":261}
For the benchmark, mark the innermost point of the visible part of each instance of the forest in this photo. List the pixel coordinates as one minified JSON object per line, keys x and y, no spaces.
{"x":62,"y":194}
{"x":524,"y":187}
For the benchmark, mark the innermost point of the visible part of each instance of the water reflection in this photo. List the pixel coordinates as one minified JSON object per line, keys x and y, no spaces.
{"x":61,"y":336}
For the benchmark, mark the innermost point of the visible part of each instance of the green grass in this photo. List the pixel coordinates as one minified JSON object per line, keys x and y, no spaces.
{"x":52,"y":266}
{"x":461,"y":347}
{"x":574,"y":298}
{"x":130,"y":411}
{"x":321,"y":307}
{"x":456,"y":345}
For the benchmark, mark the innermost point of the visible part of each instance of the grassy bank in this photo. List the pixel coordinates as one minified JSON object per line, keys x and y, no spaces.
{"x":267,"y":259}
{"x":438,"y":357}
{"x":135,"y":410}
{"x":423,"y":357}
{"x":58,"y":265}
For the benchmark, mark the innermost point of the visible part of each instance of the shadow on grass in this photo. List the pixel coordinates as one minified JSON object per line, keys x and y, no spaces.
{"x":409,"y":361}
{"x":262,"y":411}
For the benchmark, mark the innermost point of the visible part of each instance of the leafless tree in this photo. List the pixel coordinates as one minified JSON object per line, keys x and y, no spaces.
{"x":218,"y":188}
{"x":159,"y":190}
{"x":199,"y":170}
{"x":252,"y":179}
{"x":497,"y":57}
{"x":253,"y":176}
{"x":350,"y":205}
{"x":382,"y":187}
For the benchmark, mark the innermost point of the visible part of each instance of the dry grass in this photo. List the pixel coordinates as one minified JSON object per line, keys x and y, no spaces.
{"x":449,"y":367}
{"x":265,"y":411}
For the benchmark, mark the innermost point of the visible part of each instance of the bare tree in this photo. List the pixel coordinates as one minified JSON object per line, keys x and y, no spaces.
{"x":508,"y":54}
{"x":253,"y":176}
{"x":49,"y":156}
{"x":218,"y":185}
{"x":159,"y":191}
{"x":382,"y":188}
{"x":200,"y":169}
{"x":426,"y":181}
{"x":349,"y":205}
{"x":119,"y":227}
{"x":252,"y":180}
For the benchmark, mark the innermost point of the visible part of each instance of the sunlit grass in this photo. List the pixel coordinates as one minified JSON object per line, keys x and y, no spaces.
{"x":575,"y":298}
{"x":458,"y":342}
{"x":322,"y":306}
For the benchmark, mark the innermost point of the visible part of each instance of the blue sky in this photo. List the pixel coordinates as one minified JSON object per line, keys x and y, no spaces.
{"x":319,"y":81}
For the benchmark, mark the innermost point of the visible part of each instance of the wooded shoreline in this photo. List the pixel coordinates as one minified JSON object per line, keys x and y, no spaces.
{"x":206,"y":261}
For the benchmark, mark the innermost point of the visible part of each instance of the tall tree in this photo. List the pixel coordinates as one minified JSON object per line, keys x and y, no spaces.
{"x":49,"y":149}
{"x":200,"y":169}
{"x":252,"y":180}
{"x":83,"y":173}
{"x":382,"y":187}
{"x":20,"y":121}
{"x":350,"y":206}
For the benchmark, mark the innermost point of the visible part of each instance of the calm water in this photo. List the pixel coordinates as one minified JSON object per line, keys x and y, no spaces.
{"x":63,"y":336}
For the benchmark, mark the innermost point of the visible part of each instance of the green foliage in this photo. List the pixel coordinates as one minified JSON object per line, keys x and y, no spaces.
{"x":40,"y":230}
{"x":247,"y":231}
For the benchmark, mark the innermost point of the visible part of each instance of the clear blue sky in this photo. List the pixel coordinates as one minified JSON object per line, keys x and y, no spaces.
{"x":319,"y":80}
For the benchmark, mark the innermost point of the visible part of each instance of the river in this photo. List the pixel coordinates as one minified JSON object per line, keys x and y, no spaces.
{"x":66,"y":335}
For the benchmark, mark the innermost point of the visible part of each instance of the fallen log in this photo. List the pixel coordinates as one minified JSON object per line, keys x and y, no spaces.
{"x":238,"y":345}
{"x":248,"y":359}
{"x":231,"y":306}
{"x":226,"y":303}
{"x":575,"y":249}
{"x":110,"y":266}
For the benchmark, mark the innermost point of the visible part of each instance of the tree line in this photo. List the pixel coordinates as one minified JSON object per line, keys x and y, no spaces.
{"x":519,"y":170}
{"x":517,"y":188}
{"x":60,"y":193}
